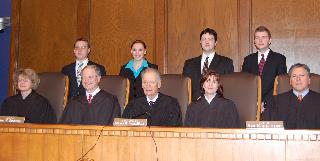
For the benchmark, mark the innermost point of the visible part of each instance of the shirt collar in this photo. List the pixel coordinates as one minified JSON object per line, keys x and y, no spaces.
{"x":209,"y":100}
{"x":303,"y":93}
{"x":154,"y":99}
{"x":211,"y":55}
{"x":85,"y":62}
{"x":93,"y":93}
{"x":131,"y":63}
{"x":265,"y":54}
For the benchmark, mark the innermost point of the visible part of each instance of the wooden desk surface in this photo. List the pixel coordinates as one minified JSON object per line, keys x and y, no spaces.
{"x":33,"y":142}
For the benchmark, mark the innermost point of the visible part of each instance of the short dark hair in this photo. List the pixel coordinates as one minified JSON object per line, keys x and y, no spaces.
{"x":298,"y":65}
{"x":205,"y":76}
{"x":82,"y":39}
{"x":211,"y":32}
{"x":262,"y":29}
{"x":139,"y":41}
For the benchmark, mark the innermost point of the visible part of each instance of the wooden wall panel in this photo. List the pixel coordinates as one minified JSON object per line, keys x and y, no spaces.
{"x":114,"y":25}
{"x":186,"y":19}
{"x":47,"y":32}
{"x":295,"y":27}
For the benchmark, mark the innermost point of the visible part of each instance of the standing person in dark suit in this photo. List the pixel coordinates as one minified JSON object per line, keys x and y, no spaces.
{"x":28,"y":103}
{"x":298,"y":108}
{"x":265,"y":62}
{"x":81,"y":51}
{"x":134,"y":67}
{"x":208,"y":60}
{"x":212,"y":109}
{"x":159,"y":109}
{"x":96,"y":107}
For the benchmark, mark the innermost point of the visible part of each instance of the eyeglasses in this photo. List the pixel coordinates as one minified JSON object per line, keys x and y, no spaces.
{"x":80,"y":47}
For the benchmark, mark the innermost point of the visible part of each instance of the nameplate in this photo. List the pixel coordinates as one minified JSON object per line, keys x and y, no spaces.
{"x":129,"y":122}
{"x":11,"y":119}
{"x":264,"y":124}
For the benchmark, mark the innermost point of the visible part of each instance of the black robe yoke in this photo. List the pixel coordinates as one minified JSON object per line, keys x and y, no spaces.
{"x":165,"y":112}
{"x":101,"y":111}
{"x":285,"y":107}
{"x":220,"y":113}
{"x":35,"y":108}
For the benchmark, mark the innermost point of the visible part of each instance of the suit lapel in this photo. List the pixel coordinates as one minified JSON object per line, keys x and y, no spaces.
{"x":73,"y":73}
{"x":214,"y":62}
{"x":268,"y":62}
{"x":255,"y":63}
{"x":198,"y":65}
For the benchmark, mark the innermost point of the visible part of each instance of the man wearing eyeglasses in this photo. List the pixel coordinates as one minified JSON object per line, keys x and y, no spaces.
{"x":96,"y":107}
{"x":81,"y":51}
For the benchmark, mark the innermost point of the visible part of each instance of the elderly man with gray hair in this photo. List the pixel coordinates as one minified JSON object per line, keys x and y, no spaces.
{"x":298,"y":108}
{"x":159,"y":109}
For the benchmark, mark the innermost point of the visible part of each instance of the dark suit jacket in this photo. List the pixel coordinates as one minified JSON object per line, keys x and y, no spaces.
{"x":135,"y":83}
{"x":165,"y":112}
{"x":285,"y":107}
{"x":101,"y":111}
{"x":274,"y":65}
{"x":192,"y":69}
{"x":70,"y":71}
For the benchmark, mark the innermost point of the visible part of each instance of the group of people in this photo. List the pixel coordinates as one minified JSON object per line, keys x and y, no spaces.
{"x":88,"y":104}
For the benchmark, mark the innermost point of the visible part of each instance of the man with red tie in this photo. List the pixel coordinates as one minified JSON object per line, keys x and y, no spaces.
{"x":265,"y":62}
{"x":96,"y":107}
{"x":298,"y":108}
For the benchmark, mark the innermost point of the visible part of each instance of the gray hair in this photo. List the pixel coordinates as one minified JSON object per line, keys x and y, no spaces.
{"x":151,"y":70}
{"x":29,"y":74}
{"x":95,"y":67}
{"x":298,"y":65}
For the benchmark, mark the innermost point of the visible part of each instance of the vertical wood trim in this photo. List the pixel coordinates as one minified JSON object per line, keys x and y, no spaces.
{"x":160,"y":46}
{"x":14,"y":44}
{"x":83,"y":18}
{"x":244,"y":29}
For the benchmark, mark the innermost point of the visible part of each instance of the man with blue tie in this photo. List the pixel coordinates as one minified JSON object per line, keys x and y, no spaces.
{"x":81,"y":51}
{"x":265,"y":62}
{"x":159,"y":109}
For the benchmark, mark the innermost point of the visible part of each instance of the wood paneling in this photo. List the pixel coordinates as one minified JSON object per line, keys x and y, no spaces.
{"x":186,"y":19}
{"x":295,"y":28}
{"x":114,"y":25}
{"x":47,"y":32}
{"x":31,"y":142}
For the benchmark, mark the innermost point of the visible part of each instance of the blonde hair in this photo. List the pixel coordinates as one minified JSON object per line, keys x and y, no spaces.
{"x":29,"y":74}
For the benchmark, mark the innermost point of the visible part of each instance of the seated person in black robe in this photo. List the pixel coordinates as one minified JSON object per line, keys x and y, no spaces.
{"x":28,"y":103}
{"x":97,"y":107}
{"x":212,"y":109}
{"x":159,"y":109}
{"x":298,"y":108}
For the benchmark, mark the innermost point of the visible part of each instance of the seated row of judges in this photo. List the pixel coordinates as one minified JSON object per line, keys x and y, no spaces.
{"x":298,"y":108}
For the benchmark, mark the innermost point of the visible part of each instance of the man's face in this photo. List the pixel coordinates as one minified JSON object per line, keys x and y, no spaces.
{"x":90,"y":79}
{"x":262,"y":40}
{"x":208,"y":43}
{"x":299,"y":79}
{"x":150,"y":84}
{"x":81,"y":50}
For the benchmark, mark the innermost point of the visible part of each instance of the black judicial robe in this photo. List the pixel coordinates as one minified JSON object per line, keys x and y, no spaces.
{"x":220,"y":113}
{"x":285,"y":107}
{"x":135,"y":83}
{"x":35,"y":108}
{"x":103,"y":108}
{"x":165,"y":112}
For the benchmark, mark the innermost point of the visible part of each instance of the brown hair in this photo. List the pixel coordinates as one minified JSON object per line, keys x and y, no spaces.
{"x":82,"y":39}
{"x":139,"y":41}
{"x":205,"y":76}
{"x":262,"y":29}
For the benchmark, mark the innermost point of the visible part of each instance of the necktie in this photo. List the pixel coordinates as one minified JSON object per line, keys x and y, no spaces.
{"x":205,"y":65}
{"x":151,"y":103}
{"x":90,"y":98}
{"x":78,"y":74}
{"x":299,"y":98}
{"x":261,"y":64}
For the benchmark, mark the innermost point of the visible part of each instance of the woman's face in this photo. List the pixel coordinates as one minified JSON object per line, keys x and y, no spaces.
{"x":210,"y":86}
{"x":138,"y":51}
{"x":24,"y":83}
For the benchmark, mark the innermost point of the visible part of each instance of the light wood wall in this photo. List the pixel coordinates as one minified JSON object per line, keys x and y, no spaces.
{"x":44,"y":31}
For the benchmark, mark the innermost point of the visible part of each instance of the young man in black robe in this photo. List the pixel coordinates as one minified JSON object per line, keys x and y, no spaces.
{"x":159,"y":109}
{"x":298,"y":108}
{"x":96,"y":107}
